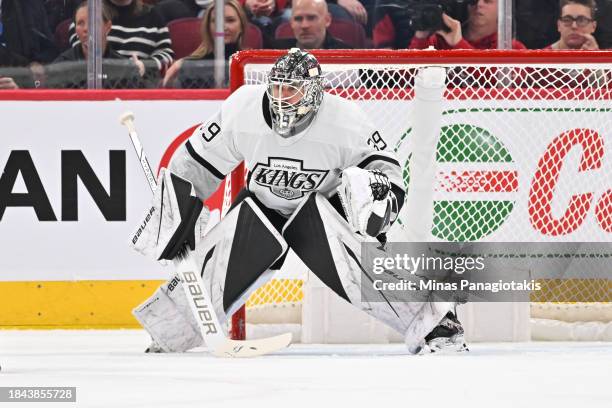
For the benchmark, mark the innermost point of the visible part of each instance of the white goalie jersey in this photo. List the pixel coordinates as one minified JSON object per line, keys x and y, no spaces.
{"x":282,"y":171}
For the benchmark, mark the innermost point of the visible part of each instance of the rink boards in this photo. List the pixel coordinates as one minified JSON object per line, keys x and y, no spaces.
{"x":65,"y":259}
{"x":73,"y":191}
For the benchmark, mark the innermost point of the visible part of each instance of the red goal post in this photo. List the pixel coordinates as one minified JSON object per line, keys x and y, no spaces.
{"x":561,"y":98}
{"x":422,"y":57}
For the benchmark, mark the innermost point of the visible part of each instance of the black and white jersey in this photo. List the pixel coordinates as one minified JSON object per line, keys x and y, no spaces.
{"x":282,"y":171}
{"x":144,"y":35}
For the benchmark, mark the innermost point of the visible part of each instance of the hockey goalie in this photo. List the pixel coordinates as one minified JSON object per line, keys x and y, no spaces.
{"x":319,"y":182}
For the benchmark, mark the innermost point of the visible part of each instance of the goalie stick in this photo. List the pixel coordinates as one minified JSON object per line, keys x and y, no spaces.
{"x":197,"y":295}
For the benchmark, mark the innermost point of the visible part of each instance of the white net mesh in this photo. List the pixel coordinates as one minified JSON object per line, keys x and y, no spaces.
{"x":524,"y":154}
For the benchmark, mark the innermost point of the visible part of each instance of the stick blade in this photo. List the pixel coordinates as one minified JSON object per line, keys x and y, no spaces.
{"x":252,"y":348}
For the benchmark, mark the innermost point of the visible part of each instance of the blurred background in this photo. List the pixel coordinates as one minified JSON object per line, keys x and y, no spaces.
{"x":135,"y":44}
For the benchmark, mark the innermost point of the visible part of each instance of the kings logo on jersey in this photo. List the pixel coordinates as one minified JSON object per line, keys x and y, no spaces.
{"x":287,"y":178}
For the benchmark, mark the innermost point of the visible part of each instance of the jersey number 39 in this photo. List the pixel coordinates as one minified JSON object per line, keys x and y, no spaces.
{"x":377,"y":142}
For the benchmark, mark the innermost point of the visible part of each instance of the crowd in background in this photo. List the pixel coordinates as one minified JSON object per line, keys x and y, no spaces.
{"x":163,"y":43}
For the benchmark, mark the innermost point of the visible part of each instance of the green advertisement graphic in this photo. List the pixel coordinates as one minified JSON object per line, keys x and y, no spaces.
{"x":463,"y":220}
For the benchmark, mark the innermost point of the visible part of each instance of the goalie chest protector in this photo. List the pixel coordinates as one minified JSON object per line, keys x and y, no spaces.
{"x":283,"y":171}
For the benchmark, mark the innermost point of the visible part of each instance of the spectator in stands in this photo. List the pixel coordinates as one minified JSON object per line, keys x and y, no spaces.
{"x":354,"y":8}
{"x":138,"y":32}
{"x":266,"y":14}
{"x":390,"y":24}
{"x":7,"y":83}
{"x":175,"y":9}
{"x":269,"y":14}
{"x":60,"y":10}
{"x":309,"y":22}
{"x":604,"y":27}
{"x":576,"y":25}
{"x":535,"y":22}
{"x":69,"y":70}
{"x":82,"y":32}
{"x":25,"y":36}
{"x":32,"y":76}
{"x":234,"y":28}
{"x":479,"y":32}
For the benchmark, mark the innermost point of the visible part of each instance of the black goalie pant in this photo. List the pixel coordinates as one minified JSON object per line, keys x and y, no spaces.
{"x":304,"y":234}
{"x":320,"y":236}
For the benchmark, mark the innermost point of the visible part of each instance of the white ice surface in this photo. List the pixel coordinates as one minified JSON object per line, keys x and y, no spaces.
{"x":110,"y":370}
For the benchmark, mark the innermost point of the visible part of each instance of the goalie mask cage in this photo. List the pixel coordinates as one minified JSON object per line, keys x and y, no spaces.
{"x":523,"y":153}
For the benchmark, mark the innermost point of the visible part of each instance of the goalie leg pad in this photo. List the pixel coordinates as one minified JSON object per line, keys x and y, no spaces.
{"x":327,"y":245}
{"x":168,"y":320}
{"x":235,"y":256}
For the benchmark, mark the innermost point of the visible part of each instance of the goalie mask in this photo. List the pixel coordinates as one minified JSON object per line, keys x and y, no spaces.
{"x":295,"y":91}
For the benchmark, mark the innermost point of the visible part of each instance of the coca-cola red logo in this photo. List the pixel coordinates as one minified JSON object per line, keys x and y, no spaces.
{"x":546,"y":179}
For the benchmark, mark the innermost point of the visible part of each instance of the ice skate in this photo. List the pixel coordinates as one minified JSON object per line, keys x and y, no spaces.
{"x":154,"y":348}
{"x":448,"y":336}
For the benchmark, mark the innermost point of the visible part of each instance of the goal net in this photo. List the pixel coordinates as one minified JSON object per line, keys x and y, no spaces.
{"x":523,"y":154}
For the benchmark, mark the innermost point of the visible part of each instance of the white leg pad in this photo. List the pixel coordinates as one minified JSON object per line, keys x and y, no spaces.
{"x":234,"y":256}
{"x":311,"y":238}
{"x":167,"y":318}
